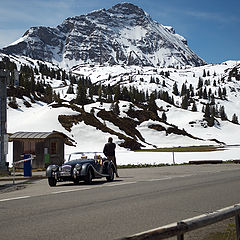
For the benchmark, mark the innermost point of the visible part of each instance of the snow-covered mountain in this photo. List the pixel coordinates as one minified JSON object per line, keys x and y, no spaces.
{"x":214,"y":85}
{"x":134,"y":125}
{"x":123,"y":34}
{"x":118,"y":73}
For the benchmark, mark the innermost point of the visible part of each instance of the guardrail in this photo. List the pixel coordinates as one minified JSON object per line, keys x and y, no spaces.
{"x":180,"y":228}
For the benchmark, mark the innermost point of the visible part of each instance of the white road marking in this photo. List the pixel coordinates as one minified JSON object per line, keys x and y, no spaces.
{"x":15,"y":198}
{"x":70,"y":190}
{"x":185,"y":175}
{"x":119,"y":184}
{"x":157,"y":179}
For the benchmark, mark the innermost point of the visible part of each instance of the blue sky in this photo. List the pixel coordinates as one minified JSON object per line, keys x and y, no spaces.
{"x":210,"y":26}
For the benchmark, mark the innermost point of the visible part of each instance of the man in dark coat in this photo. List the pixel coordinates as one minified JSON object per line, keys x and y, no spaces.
{"x":109,"y":152}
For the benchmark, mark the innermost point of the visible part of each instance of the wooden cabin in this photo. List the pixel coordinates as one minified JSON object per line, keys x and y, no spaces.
{"x":46,"y":147}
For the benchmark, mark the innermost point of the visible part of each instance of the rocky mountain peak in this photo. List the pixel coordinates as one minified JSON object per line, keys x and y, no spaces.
{"x":127,"y":9}
{"x":123,"y":34}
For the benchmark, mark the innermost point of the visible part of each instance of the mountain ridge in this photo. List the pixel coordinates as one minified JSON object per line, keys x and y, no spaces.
{"x":123,"y":34}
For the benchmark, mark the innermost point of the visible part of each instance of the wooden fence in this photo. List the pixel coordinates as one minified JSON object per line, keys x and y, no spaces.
{"x":178,"y":229}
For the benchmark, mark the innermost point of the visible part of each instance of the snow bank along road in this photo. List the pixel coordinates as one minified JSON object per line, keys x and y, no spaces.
{"x":140,"y":200}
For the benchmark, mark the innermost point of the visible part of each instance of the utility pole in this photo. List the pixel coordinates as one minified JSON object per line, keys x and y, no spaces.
{"x":4,"y":75}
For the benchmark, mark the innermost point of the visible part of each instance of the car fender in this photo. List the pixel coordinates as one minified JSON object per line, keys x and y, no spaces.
{"x":50,"y":170}
{"x":111,"y":164}
{"x":85,"y":168}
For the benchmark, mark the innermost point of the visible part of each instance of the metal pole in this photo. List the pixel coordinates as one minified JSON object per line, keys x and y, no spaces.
{"x":13,"y":173}
{"x":173,"y":158}
{"x":3,"y":118}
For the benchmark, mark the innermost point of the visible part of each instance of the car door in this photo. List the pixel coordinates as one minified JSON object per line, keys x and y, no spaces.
{"x":99,"y":165}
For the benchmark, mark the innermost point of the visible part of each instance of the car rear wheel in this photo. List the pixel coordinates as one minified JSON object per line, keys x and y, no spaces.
{"x":88,"y":178}
{"x":76,"y":181}
{"x":52,"y":182}
{"x":110,"y":178}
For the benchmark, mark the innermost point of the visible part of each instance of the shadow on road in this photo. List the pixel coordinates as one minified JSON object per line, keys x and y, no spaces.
{"x":9,"y":187}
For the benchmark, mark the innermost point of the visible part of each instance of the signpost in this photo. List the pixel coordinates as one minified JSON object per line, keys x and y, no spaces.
{"x":4,"y":75}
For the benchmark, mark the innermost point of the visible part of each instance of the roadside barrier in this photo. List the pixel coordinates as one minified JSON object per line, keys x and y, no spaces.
{"x":180,"y":228}
{"x":30,"y":158}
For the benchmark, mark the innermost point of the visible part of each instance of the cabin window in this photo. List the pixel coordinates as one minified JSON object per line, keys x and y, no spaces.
{"x":53,"y":149}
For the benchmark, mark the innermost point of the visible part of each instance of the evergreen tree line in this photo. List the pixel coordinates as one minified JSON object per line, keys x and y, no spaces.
{"x":86,"y":91}
{"x":27,"y":80}
{"x":210,"y":110}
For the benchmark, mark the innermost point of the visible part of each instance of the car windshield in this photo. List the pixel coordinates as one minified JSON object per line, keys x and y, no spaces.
{"x":71,"y":162}
{"x":83,"y":156}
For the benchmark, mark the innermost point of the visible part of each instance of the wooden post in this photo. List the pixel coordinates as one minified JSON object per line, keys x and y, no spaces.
{"x":181,"y":235}
{"x":237,"y":223}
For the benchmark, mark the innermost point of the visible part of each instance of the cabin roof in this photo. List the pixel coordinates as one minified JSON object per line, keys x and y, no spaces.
{"x":40,"y":135}
{"x":30,"y":135}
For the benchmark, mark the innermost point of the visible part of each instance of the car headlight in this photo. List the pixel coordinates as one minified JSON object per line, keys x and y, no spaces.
{"x":54,"y":168}
{"x":78,"y":167}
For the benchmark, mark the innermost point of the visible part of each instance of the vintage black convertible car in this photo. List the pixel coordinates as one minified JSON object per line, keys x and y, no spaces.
{"x":81,"y":168}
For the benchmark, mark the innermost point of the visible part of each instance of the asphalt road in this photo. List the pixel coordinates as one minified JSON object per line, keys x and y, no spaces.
{"x":141,"y":199}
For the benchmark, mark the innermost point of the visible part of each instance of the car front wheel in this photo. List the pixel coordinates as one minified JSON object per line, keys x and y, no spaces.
{"x":52,"y":182}
{"x":88,"y":178}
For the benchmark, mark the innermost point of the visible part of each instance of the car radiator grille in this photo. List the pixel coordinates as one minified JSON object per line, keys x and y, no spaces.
{"x":66,"y":168}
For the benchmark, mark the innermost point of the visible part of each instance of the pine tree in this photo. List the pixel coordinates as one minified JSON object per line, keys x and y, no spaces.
{"x":164,"y":117}
{"x":200,"y":93}
{"x":235,"y":119}
{"x":112,"y":107}
{"x":152,"y":80}
{"x":222,"y":113}
{"x":92,"y":111}
{"x":224,"y":92}
{"x":81,"y":98}
{"x":212,"y":100}
{"x":185,"y":103}
{"x":48,"y":94}
{"x":211,"y":121}
{"x":116,"y":109}
{"x":70,"y":89}
{"x":100,"y":93}
{"x":125,"y":94}
{"x":183,"y":90}
{"x":204,"y":73}
{"x":117,"y":93}
{"x":175,"y":89}
{"x":152,"y":104}
{"x":214,"y":83}
{"x":194,"y":107}
{"x":207,"y":111}
{"x":200,"y":83}
{"x":147,"y":96}
{"x":167,"y":74}
{"x":220,"y":92}
{"x":109,"y":98}
{"x":205,"y":96}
